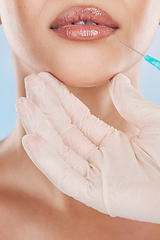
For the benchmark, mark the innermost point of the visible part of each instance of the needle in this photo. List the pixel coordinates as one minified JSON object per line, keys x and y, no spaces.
{"x":148,"y":58}
{"x":130,"y":47}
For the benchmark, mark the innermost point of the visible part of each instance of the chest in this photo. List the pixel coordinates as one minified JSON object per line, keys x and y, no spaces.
{"x":32,"y":219}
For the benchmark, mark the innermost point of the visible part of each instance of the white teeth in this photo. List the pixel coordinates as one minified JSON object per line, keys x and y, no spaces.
{"x":84,"y":22}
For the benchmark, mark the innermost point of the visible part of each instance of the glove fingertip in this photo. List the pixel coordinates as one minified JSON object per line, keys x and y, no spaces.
{"x":50,"y":78}
{"x":118,"y":87}
{"x":31,"y":145}
{"x":118,"y":79}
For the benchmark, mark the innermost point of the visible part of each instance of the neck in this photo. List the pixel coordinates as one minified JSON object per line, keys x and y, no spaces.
{"x":97,"y":99}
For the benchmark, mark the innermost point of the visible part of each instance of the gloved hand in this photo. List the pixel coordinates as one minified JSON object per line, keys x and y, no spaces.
{"x":104,"y":168}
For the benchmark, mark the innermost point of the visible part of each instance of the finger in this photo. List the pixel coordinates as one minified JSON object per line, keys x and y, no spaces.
{"x":51,"y":164}
{"x":131,"y":104}
{"x":50,"y":105}
{"x":36,"y":123}
{"x":91,"y":126}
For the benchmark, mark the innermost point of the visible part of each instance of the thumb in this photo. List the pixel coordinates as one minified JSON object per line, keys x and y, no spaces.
{"x":131,"y":104}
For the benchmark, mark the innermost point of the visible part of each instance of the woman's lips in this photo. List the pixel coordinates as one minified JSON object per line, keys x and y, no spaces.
{"x":105,"y":24}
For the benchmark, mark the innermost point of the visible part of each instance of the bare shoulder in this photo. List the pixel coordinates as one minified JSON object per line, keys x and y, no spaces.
{"x":22,"y":213}
{"x":21,"y":210}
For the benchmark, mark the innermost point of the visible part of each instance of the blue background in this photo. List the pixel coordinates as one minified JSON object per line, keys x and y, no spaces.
{"x":149,"y":84}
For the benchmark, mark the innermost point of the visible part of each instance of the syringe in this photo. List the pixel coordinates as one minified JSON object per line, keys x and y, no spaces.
{"x":148,"y":58}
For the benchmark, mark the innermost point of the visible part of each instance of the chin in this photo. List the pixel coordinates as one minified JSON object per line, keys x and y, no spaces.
{"x":84,"y":81}
{"x":84,"y":78}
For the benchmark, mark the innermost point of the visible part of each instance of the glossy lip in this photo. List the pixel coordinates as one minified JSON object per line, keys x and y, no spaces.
{"x":84,"y":13}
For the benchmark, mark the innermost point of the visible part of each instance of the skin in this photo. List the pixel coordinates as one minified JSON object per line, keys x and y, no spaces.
{"x":85,"y":67}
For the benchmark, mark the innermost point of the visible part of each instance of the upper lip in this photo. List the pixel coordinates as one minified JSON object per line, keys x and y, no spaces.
{"x":84,"y":13}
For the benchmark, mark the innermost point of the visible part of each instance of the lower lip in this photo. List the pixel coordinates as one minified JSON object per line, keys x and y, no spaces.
{"x":84,"y":32}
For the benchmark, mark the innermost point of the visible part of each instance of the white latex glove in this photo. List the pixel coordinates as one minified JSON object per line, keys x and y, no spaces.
{"x":104,"y":168}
